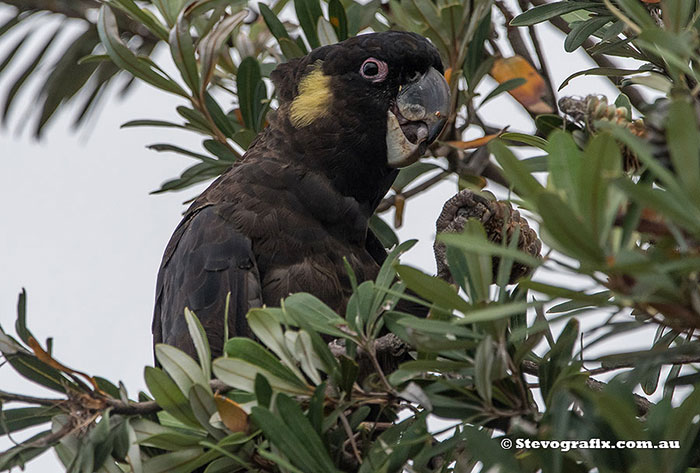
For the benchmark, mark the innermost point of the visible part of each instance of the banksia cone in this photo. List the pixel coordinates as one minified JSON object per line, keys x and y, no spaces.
{"x":595,"y":108}
{"x":497,"y":217}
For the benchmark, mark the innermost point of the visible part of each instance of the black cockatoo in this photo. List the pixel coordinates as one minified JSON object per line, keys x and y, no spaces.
{"x":282,"y":218}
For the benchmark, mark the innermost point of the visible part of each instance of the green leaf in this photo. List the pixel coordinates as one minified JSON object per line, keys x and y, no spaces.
{"x":125,"y":59}
{"x":223,"y":122}
{"x":168,"y":396}
{"x":581,"y":31}
{"x":383,"y":231}
{"x":21,"y":322}
{"x":545,"y":12}
{"x":252,"y":352}
{"x":603,"y":71}
{"x":203,"y":407}
{"x":201,"y":343}
{"x":515,"y":170}
{"x":267,"y":328}
{"x":483,"y":366}
{"x":290,"y":49}
{"x":183,"y":369}
{"x":338,"y":18}
{"x":449,"y":328}
{"x":182,"y":52}
{"x":493,"y":311}
{"x":221,"y":151}
{"x":410,"y":173}
{"x":308,"y":12}
{"x":684,"y":146}
{"x":285,"y":436}
{"x":173,"y":462}
{"x":155,"y":123}
{"x":263,"y":391}
{"x":571,"y":234}
{"x":39,"y":372}
{"x":241,"y":375}
{"x":503,"y":87}
{"x":273,"y":23}
{"x":27,"y":73}
{"x":603,"y":163}
{"x":432,"y":289}
{"x":251,"y":92}
{"x":309,"y":312}
{"x":326,"y":33}
{"x":476,"y":52}
{"x":143,"y":16}
{"x":530,"y":140}
{"x":12,"y":420}
{"x":211,"y":45}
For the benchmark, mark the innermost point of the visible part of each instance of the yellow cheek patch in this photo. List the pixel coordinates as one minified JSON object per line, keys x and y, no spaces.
{"x":313,"y":101}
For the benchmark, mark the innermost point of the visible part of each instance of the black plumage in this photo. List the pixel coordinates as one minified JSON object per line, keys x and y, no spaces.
{"x":282,"y":219}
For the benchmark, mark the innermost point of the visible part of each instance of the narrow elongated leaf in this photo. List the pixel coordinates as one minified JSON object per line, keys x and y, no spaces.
{"x":432,"y":289}
{"x":581,"y":31}
{"x":182,"y":51}
{"x":684,"y":145}
{"x":252,"y":352}
{"x":308,"y":311}
{"x":127,"y":60}
{"x":273,"y":23}
{"x":504,"y":87}
{"x":12,"y":420}
{"x":251,"y":92}
{"x":26,"y":73}
{"x":545,"y":12}
{"x":241,"y":374}
{"x":183,"y":369}
{"x":308,"y":12}
{"x":210,"y":46}
{"x":201,"y":343}
{"x":338,"y":18}
{"x":168,"y":395}
{"x":523,"y":181}
{"x":326,"y":33}
{"x":282,"y":435}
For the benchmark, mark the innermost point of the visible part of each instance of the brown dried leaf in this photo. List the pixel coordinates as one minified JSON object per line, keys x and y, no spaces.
{"x":531,"y":92}
{"x":232,"y":415}
{"x":43,"y":356}
{"x":472,"y":144}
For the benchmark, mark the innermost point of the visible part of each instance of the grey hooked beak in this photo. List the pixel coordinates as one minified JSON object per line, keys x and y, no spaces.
{"x":416,"y":118}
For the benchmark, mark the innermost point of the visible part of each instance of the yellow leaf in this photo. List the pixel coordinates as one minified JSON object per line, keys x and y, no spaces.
{"x":448,"y":74}
{"x":472,"y":144}
{"x":399,"y":205}
{"x":44,"y":356}
{"x":531,"y":92}
{"x":232,"y":415}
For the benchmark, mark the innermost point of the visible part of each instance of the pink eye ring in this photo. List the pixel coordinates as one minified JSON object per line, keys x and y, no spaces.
{"x":374,"y":70}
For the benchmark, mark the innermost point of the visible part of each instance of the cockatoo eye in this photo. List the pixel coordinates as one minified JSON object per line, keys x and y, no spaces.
{"x":374,"y":70}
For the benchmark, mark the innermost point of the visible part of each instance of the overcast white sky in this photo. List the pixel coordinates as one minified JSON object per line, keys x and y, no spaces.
{"x":81,"y":233}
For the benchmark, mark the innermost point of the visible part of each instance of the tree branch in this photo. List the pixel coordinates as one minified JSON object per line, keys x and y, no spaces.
{"x":634,"y":95}
{"x":80,"y":10}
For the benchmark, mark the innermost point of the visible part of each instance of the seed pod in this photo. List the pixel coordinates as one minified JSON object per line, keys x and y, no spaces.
{"x":498,"y":218}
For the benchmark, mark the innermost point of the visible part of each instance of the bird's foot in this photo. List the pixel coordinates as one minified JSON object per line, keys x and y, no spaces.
{"x":497,"y":217}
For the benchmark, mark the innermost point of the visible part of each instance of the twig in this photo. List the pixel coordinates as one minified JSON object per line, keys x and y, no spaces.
{"x":387,"y":203}
{"x":351,"y":437}
{"x":10,"y":397}
{"x":634,"y":95}
{"x":118,"y":406}
{"x":80,"y":9}
{"x":53,"y":437}
{"x":544,"y":69}
{"x":516,"y":39}
{"x":642,"y":403}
